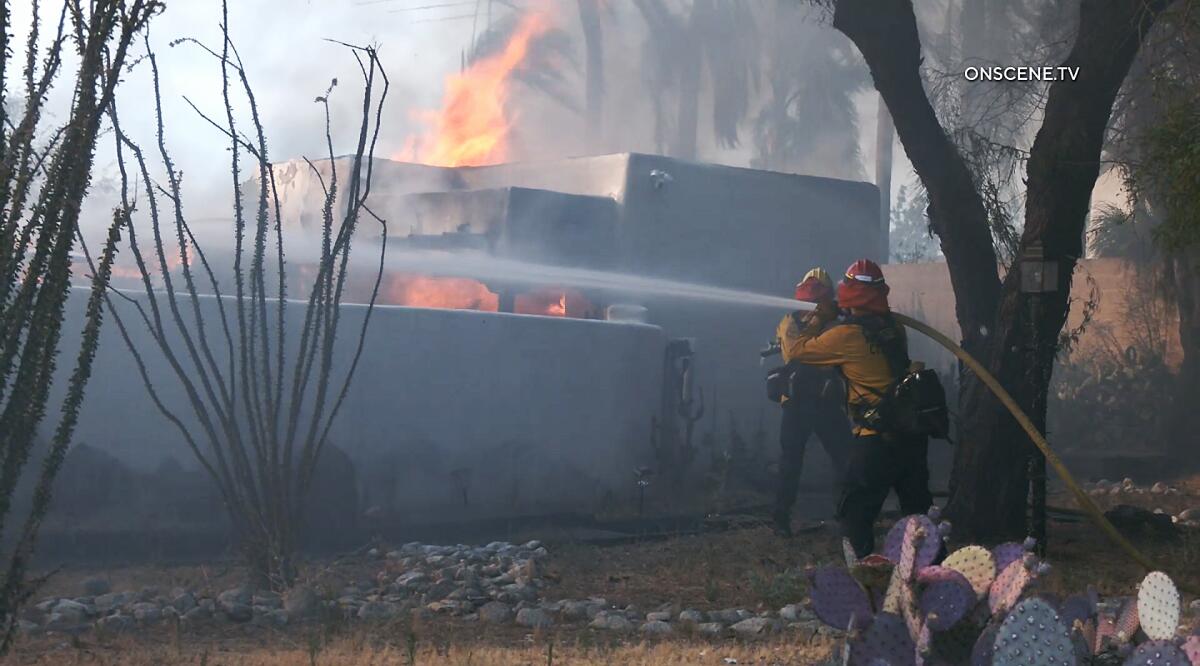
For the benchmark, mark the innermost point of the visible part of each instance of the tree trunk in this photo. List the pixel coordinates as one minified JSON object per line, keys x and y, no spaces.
{"x":589,"y":19}
{"x":884,"y":135}
{"x":1016,"y":338}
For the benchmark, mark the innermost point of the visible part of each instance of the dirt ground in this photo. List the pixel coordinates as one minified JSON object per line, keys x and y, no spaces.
{"x":747,"y":568}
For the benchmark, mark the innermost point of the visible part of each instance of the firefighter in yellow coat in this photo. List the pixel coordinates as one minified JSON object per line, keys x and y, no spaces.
{"x":814,"y":406}
{"x":870,"y":350}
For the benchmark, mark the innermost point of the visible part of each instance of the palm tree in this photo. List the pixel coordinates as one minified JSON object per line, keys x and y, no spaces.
{"x":719,"y":37}
{"x":808,"y":122}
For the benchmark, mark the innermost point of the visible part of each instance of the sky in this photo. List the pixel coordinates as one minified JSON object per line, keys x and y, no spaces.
{"x":289,"y":63}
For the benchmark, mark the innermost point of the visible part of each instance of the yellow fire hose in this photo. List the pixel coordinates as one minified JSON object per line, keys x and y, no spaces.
{"x":1082,"y":498}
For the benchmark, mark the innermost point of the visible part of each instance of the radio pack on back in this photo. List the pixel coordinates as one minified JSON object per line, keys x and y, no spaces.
{"x":915,"y":403}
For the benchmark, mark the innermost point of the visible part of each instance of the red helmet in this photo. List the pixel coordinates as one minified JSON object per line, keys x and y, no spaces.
{"x":865,"y":271}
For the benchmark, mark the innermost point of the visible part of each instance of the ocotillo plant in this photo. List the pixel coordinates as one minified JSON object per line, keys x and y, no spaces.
{"x":262,"y":406}
{"x":45,"y":172}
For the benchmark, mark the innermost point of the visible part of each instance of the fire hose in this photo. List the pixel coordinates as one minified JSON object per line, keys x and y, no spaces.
{"x":1085,"y":502}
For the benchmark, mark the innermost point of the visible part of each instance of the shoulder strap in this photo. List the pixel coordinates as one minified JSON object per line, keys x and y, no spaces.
{"x":883,"y":333}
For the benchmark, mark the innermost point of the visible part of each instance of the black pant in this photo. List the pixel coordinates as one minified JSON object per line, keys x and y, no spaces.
{"x":875,"y":466}
{"x":802,"y":418}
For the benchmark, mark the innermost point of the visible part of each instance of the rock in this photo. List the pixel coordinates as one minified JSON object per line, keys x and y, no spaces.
{"x":449,"y":607}
{"x":576,"y":611}
{"x":611,"y":621}
{"x":184,"y":603}
{"x":28,"y":628}
{"x":495,"y":612}
{"x":439,"y":590}
{"x":656,"y":628}
{"x":237,"y":612}
{"x":197,"y":614}
{"x":691,"y":616}
{"x":146,"y":612}
{"x":238,"y":596}
{"x":149,"y":593}
{"x":377,"y":610}
{"x":106,"y":603}
{"x":658,"y":616}
{"x":71,"y":610}
{"x":1159,"y":488}
{"x":534,"y":618}
{"x":267,"y":600}
{"x":710,"y":629}
{"x":754,"y":627}
{"x":65,"y":623}
{"x":729,"y":615}
{"x":302,"y":603}
{"x":1190,"y":514}
{"x":413,"y":580}
{"x":115,"y":623}
{"x":96,"y":586}
{"x":790,"y":613}
{"x":1194,"y":606}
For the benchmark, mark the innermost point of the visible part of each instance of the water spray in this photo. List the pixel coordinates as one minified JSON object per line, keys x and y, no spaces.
{"x":485,"y":266}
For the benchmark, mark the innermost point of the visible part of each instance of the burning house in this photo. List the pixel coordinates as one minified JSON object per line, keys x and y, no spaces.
{"x":493,"y":392}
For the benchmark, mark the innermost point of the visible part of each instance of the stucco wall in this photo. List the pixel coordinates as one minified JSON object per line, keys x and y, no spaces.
{"x":924,"y":291}
{"x":546,"y":413}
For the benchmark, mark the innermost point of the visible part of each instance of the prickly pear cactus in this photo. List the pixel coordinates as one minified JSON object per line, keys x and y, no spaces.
{"x":1007,"y":588}
{"x":977,"y":564}
{"x":887,"y":639}
{"x":1158,"y":653}
{"x":1127,"y":621}
{"x":954,"y":646}
{"x":985,"y":646}
{"x":1077,"y":607}
{"x":928,"y":547}
{"x":946,"y":596}
{"x":836,"y":597}
{"x":900,"y":596}
{"x":1158,"y":606}
{"x":873,"y":572}
{"x":1106,"y":634}
{"x":1191,"y":647}
{"x":1033,"y":635}
{"x":1007,"y":553}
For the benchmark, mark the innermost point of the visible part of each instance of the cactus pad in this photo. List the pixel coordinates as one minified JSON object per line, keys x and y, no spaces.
{"x":927,"y":548}
{"x":873,"y":572}
{"x":977,"y":564}
{"x":836,"y":597}
{"x":1127,"y":621}
{"x":1084,"y":632}
{"x":1191,"y":647}
{"x":1158,"y":606}
{"x":954,"y":646}
{"x":1158,"y":653}
{"x":985,"y":646}
{"x":886,"y":639}
{"x":1077,"y":607}
{"x":1007,"y":553}
{"x":1033,"y":635}
{"x":1007,"y":588}
{"x":947,"y":597}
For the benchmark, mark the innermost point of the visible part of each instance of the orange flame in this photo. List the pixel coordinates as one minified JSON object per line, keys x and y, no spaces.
{"x":553,"y":303}
{"x":420,"y":291}
{"x":472,"y":126}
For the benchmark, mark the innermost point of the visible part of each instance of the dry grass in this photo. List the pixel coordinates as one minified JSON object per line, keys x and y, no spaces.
{"x":381,"y":647}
